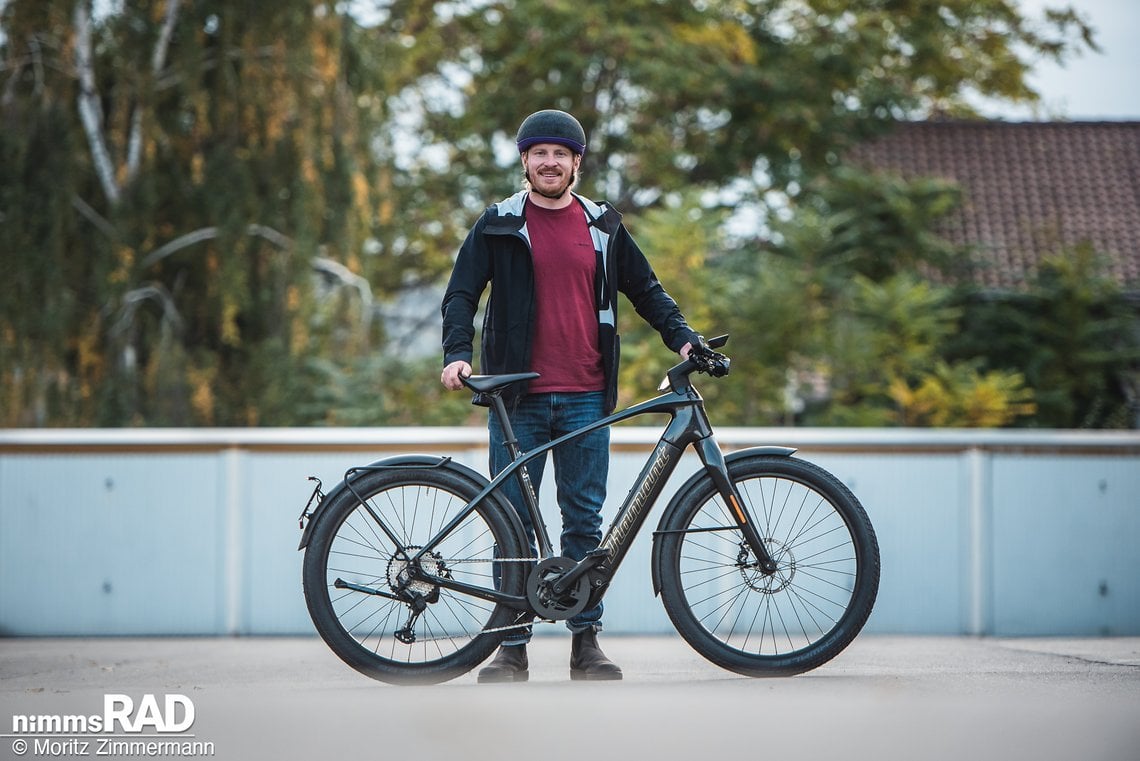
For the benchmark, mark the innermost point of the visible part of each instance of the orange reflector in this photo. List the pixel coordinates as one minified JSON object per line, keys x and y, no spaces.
{"x":736,"y":507}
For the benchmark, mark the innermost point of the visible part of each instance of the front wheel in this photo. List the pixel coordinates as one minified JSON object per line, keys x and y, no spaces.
{"x":370,"y":597}
{"x":782,"y":623}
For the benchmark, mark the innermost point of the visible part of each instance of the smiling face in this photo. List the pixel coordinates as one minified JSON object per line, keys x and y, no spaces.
{"x":551,"y":170}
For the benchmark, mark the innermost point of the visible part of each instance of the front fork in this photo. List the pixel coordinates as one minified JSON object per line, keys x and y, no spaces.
{"x":715,"y":466}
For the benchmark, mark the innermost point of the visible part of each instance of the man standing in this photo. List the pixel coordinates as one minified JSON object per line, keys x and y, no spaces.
{"x":556,"y":262}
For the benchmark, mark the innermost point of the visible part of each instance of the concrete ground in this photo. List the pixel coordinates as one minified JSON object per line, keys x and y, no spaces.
{"x":912,"y":698}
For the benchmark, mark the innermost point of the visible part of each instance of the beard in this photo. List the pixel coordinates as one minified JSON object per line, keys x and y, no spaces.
{"x":556,"y":193}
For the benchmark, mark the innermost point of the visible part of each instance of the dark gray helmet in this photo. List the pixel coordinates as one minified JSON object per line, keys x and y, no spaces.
{"x":551,"y":126}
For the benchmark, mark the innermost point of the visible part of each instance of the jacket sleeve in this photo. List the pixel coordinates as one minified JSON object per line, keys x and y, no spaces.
{"x":639,"y":283}
{"x":468,"y":280}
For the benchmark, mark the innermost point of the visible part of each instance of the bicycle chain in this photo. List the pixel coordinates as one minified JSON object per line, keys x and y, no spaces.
{"x":485,"y":560}
{"x":487,"y":631}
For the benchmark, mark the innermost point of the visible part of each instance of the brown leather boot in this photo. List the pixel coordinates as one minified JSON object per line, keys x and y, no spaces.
{"x":587,"y":661}
{"x":509,"y":665}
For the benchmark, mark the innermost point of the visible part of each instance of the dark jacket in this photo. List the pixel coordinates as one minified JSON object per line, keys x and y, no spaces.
{"x":497,"y":251}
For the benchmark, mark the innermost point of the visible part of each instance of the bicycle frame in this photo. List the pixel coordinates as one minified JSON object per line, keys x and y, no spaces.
{"x":688,"y":425}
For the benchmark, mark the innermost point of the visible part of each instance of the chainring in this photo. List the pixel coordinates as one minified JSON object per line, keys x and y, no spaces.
{"x":540,"y":595}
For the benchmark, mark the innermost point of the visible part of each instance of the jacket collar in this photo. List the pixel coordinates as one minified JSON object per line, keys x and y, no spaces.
{"x":510,"y":213}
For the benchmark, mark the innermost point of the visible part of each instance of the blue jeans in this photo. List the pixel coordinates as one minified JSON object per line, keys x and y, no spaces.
{"x":581,"y":467}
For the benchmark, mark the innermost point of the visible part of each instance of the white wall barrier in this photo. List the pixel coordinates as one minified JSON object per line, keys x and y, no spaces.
{"x":194,"y":531}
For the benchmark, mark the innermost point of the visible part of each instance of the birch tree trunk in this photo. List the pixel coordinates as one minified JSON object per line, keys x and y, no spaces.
{"x":112,"y":180}
{"x":90,"y":110}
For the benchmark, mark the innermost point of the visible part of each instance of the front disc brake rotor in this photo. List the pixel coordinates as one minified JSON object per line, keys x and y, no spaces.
{"x":767,"y":583}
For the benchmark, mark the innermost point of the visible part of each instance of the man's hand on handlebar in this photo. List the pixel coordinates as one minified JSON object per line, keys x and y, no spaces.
{"x":708,"y":360}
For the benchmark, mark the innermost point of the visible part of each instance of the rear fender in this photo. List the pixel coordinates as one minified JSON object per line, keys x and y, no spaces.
{"x":689,"y":486}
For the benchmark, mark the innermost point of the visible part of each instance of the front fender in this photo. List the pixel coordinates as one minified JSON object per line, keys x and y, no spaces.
{"x":397,"y":461}
{"x":689,"y":486}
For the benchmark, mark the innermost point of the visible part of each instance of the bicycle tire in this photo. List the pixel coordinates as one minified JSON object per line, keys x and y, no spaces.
{"x":788,"y":622}
{"x":451,"y":635}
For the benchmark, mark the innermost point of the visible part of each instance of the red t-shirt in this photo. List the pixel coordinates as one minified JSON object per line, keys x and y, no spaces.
{"x":565,"y":346}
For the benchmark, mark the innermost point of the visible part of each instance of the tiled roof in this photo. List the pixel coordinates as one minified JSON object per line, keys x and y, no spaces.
{"x":1030,"y":190}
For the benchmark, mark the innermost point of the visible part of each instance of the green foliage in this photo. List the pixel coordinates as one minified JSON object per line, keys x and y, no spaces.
{"x":875,"y":224}
{"x":677,"y":94}
{"x":377,"y":390}
{"x":960,"y":396}
{"x":849,"y":332}
{"x":888,"y":367}
{"x":1073,"y":336}
{"x":682,"y":238}
{"x":776,"y":310}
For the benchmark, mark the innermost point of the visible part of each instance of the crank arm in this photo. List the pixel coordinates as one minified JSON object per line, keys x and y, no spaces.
{"x":570,"y":578}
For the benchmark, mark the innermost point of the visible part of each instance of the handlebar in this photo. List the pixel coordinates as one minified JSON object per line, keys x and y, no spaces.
{"x":702,"y":359}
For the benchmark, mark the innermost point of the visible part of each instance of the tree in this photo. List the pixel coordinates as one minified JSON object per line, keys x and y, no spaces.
{"x":684,"y":239}
{"x":864,"y":323}
{"x":746,"y":107}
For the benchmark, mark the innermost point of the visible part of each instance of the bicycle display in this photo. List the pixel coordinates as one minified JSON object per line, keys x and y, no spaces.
{"x":416,"y":566}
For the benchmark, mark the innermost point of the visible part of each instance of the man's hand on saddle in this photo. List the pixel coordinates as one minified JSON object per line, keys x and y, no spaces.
{"x":452,"y":374}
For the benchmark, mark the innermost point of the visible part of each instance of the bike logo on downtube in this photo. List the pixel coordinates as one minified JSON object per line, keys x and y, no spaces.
{"x":622,"y":528}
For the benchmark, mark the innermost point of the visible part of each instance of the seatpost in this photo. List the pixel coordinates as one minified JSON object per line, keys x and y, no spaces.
{"x":509,"y":439}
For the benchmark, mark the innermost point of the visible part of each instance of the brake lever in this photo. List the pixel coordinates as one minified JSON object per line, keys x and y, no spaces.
{"x":718,"y":365}
{"x":709,"y":361}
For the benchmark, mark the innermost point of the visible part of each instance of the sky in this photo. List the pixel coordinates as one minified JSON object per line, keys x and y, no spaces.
{"x":1093,"y":86}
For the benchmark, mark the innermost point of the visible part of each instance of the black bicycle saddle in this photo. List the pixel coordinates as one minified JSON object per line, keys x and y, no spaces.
{"x":489,"y":384}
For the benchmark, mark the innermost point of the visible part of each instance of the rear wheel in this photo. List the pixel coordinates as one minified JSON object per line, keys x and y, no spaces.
{"x":362,"y":584}
{"x":782,"y":623}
